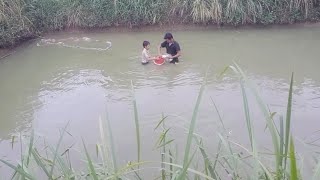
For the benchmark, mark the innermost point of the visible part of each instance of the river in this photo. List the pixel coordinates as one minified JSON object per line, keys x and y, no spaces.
{"x":45,"y":87}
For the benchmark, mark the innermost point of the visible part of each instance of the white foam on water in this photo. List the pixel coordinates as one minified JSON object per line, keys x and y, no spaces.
{"x":67,"y":43}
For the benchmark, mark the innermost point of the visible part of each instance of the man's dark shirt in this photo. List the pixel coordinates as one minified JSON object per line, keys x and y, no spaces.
{"x":172,"y":49}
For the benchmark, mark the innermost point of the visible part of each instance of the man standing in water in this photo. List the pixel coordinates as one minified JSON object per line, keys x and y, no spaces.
{"x":172,"y":46}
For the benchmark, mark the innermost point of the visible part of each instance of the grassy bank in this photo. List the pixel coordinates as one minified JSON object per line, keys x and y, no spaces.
{"x":23,"y":19}
{"x":230,"y":161}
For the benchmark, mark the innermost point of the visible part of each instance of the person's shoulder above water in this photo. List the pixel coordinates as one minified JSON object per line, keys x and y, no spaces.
{"x":144,"y":50}
{"x":177,"y":45}
{"x":145,"y":53}
{"x":164,"y":44}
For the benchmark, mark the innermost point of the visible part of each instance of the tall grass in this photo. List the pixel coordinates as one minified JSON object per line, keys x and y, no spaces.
{"x":14,"y":22}
{"x":21,"y":19}
{"x":231,"y":160}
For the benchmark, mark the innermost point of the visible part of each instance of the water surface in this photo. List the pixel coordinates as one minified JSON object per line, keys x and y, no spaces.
{"x":45,"y":87}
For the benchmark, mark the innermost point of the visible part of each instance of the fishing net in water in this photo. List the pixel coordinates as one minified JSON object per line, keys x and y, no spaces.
{"x":84,"y":43}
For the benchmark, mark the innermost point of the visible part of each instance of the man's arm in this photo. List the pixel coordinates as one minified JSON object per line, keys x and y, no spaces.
{"x":159,"y":50}
{"x":178,"y":51}
{"x":177,"y":55}
{"x":162,"y":45}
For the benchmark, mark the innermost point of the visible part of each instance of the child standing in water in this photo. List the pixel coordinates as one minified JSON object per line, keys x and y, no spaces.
{"x":145,"y":56}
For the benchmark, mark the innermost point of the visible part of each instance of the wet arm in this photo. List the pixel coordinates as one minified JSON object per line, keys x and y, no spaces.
{"x":177,"y":46}
{"x":162,"y":45}
{"x":151,"y":58}
{"x":159,"y":49}
{"x":177,"y":55}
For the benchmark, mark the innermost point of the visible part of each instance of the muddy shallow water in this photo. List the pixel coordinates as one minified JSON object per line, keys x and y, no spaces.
{"x":44,"y":87}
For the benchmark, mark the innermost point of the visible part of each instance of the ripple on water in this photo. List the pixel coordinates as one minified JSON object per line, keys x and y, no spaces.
{"x":73,"y":78}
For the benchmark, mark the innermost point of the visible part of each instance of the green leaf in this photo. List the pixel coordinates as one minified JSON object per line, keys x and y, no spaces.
{"x":183,"y":173}
{"x":288,"y":121}
{"x":19,"y":170}
{"x":162,"y":137}
{"x":233,"y":164}
{"x":281,"y":139}
{"x":112,"y":145}
{"x":12,"y":140}
{"x":176,"y":175}
{"x":56,"y":154}
{"x":160,"y":122}
{"x":223,"y":72}
{"x":67,"y":171}
{"x":170,"y":166}
{"x":91,"y":167}
{"x":206,"y":159}
{"x":38,"y":160}
{"x":293,"y":168}
{"x":247,"y":115}
{"x":166,"y":143}
{"x":136,"y":120}
{"x":30,"y":146}
{"x":269,"y":121}
{"x":97,"y":150}
{"x":186,"y":162}
{"x":316,"y":174}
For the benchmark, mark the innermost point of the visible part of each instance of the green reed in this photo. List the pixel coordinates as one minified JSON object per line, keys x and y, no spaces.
{"x":231,"y":160}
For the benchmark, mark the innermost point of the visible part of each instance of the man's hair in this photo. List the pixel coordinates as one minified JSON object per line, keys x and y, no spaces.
{"x":145,"y":43}
{"x":168,"y":36}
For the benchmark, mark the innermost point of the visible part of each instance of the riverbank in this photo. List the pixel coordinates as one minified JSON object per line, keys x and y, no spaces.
{"x":184,"y":27}
{"x":6,"y":51}
{"x":25,"y":19}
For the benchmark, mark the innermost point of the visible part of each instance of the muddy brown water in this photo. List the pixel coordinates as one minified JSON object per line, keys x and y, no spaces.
{"x":44,"y":87}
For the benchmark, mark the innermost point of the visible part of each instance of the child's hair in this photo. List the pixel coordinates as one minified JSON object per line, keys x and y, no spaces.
{"x":145,"y":43}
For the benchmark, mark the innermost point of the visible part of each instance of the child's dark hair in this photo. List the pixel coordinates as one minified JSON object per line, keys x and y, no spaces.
{"x":145,"y":43}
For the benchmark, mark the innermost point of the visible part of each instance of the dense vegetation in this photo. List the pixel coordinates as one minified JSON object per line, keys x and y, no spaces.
{"x":21,"y":19}
{"x":230,"y":161}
